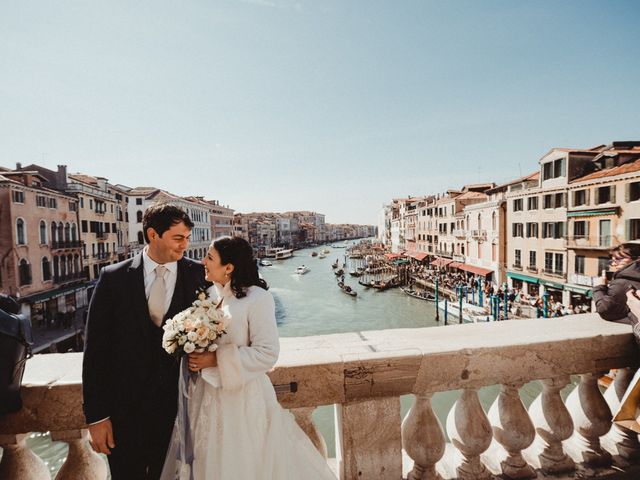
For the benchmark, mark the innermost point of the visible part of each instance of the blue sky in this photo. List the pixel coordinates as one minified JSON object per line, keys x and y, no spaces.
{"x":333,"y":106}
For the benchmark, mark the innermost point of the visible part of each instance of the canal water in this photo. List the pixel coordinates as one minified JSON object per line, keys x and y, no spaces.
{"x":312,"y":304}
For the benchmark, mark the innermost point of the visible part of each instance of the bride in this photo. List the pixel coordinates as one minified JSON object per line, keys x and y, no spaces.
{"x":236,"y":427}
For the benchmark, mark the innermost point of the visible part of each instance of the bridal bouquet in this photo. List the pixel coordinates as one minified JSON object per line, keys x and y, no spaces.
{"x":196,"y":328}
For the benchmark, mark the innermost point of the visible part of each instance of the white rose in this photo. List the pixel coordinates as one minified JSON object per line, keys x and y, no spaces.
{"x":189,"y":347}
{"x":213,"y":347}
{"x":182,"y":340}
{"x":171,"y":348}
{"x":192,"y":336}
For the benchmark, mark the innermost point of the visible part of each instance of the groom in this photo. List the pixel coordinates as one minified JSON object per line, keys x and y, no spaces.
{"x":130,"y":384}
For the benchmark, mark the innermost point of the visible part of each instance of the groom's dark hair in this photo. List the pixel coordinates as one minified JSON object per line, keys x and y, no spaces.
{"x":162,"y":217}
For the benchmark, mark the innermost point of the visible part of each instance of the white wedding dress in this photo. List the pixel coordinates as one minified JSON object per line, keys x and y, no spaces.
{"x":239,"y":429}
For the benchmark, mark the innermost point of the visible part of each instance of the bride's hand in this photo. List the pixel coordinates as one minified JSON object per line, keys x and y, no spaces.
{"x":198,"y":361}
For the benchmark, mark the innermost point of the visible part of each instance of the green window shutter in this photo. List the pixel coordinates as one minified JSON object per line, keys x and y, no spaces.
{"x":626,"y":192}
{"x":613,"y":193}
{"x":627,"y":230}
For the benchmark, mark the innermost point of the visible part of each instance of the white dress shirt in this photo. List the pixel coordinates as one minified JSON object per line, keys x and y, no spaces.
{"x":170,"y":277}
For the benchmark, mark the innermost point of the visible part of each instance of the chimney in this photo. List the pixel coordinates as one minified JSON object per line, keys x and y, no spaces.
{"x":61,"y":178}
{"x":18,"y":166}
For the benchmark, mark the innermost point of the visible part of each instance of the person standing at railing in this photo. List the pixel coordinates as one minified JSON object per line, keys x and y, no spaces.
{"x":610,"y":294}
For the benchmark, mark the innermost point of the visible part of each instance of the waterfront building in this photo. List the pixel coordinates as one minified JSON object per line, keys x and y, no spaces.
{"x":222,"y":224}
{"x":240,"y":226}
{"x":122,"y":221}
{"x":97,"y":213}
{"x":40,"y":247}
{"x":603,"y":211}
{"x":537,"y":229}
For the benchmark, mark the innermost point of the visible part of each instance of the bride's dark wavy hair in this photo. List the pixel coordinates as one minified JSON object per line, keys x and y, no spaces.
{"x":237,"y":252}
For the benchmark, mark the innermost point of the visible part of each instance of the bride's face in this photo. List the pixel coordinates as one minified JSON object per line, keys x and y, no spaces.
{"x":214,"y":270}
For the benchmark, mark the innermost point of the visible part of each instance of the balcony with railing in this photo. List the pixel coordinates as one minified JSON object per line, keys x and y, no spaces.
{"x":444,"y":253}
{"x":516,"y":266}
{"x":102,"y":235}
{"x":364,"y":374}
{"x":552,"y":272}
{"x":602,"y":242}
{"x":479,"y":234}
{"x":459,"y":233}
{"x":61,"y":245}
{"x":69,"y":277}
{"x":532,"y":269}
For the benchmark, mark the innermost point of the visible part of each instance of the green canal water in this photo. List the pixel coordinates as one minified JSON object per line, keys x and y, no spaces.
{"x":312,"y":304}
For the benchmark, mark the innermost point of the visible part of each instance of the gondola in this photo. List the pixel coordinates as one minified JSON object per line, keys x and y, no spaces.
{"x":347,"y":289}
{"x":339,"y":272}
{"x":419,"y":295}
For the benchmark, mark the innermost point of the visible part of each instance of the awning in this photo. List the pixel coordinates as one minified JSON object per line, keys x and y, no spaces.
{"x":392,"y":256}
{"x":475,"y":270}
{"x":557,"y":286}
{"x":581,"y":290}
{"x":592,"y":213}
{"x":54,"y":293}
{"x":419,"y":256}
{"x":454,"y":265}
{"x":441,"y":262}
{"x":524,"y":278}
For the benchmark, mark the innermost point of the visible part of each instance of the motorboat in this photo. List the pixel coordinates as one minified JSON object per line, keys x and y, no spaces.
{"x":283,"y":253}
{"x":302,"y":269}
{"x":326,"y":251}
{"x":314,"y":254}
{"x":265,"y":263}
{"x":322,"y":255}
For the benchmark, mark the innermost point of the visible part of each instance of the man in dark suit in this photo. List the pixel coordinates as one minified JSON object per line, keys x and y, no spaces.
{"x":130,"y":384}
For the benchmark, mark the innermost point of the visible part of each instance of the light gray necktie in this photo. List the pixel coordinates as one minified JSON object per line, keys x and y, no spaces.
{"x":157,"y":296}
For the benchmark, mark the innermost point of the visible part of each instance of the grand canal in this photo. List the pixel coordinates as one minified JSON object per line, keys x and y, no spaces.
{"x":312,"y":304}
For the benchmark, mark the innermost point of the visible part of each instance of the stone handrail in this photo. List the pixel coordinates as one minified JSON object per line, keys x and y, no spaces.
{"x":364,"y":374}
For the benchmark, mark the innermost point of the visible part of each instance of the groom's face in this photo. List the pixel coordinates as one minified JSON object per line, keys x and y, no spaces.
{"x":169,"y":247}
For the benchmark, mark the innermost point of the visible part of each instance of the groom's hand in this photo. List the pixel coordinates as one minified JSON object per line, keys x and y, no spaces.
{"x":101,"y":436}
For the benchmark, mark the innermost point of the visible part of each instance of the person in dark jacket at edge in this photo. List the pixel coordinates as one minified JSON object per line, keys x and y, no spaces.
{"x":611,"y":296}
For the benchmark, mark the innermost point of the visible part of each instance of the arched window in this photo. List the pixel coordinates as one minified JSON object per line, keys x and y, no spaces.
{"x":46,"y":269}
{"x":74,"y":232}
{"x":21,"y":232}
{"x":140,"y":238}
{"x":479,"y":222}
{"x":56,"y":268}
{"x":24,"y":270}
{"x":43,"y":232}
{"x":63,"y":267}
{"x":493,"y":221}
{"x":67,"y":233}
{"x":139,"y":216}
{"x":60,"y":232}
{"x":54,"y":230}
{"x":76,"y":263}
{"x":70,"y":265}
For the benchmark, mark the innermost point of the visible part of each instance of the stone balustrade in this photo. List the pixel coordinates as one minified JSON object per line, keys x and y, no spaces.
{"x":365,"y":373}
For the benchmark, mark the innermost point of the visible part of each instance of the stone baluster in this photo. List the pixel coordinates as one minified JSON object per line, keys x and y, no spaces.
{"x":470,"y":432}
{"x":19,"y":462}
{"x":591,"y":419}
{"x":82,"y":461}
{"x":368,"y":441}
{"x":304,"y":418}
{"x":621,"y":442}
{"x":423,"y":439}
{"x":513,"y":430}
{"x":553,"y":425}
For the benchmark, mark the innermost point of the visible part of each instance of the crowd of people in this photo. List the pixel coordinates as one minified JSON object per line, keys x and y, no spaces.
{"x":518,"y":302}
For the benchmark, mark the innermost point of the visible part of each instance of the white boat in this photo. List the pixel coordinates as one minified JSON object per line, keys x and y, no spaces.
{"x":326,"y":251}
{"x":283,"y":253}
{"x":470,"y":313}
{"x":265,"y":263}
{"x":322,"y":255}
{"x":302,"y":269}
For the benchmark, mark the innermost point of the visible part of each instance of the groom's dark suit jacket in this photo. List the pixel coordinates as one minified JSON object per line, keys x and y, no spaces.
{"x":124,"y":363}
